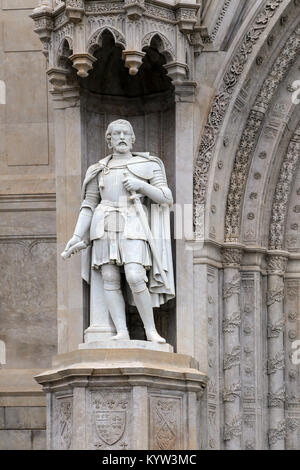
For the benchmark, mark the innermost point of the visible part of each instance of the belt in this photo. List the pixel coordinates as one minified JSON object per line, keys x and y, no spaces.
{"x":105,"y":202}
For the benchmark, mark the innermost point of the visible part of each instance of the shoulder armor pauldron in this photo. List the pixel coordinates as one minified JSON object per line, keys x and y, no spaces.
{"x":143,"y":167}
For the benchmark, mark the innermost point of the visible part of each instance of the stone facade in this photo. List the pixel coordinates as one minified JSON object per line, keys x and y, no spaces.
{"x":211,"y":87}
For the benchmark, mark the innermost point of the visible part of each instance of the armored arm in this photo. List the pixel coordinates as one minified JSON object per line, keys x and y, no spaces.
{"x":90,"y":202}
{"x":157,"y":189}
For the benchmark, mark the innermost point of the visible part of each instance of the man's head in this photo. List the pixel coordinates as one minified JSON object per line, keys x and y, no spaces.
{"x":120,"y":136}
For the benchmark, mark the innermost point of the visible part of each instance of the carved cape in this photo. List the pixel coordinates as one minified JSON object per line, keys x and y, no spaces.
{"x":160,"y":228}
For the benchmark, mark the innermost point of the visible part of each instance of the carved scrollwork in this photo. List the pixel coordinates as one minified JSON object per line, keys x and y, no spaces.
{"x":275,"y":295}
{"x":232,"y":359}
{"x":230,"y":394}
{"x":230,"y":324}
{"x":232,"y":287}
{"x":282,"y":193}
{"x":250,"y":135}
{"x":233,"y":429}
{"x":276,"y":399}
{"x":276,"y":363}
{"x":231,"y":257}
{"x":278,"y":433}
{"x":277,"y":264}
{"x":222,"y":99}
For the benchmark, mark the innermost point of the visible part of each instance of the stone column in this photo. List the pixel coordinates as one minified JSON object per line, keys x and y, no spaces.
{"x":232,"y":348}
{"x":184,"y":150}
{"x":276,"y":356}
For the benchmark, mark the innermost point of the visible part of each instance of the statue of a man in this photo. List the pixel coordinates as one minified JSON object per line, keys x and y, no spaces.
{"x":123,"y":238}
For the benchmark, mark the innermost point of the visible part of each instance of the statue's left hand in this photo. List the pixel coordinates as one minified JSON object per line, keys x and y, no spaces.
{"x":132,"y":184}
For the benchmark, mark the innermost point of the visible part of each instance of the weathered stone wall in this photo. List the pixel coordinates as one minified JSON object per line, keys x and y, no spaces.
{"x":28,"y":325}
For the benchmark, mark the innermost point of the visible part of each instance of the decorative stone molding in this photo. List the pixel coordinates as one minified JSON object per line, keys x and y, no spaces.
{"x":209,"y":38}
{"x":231,"y":257}
{"x":276,"y":400}
{"x":278,"y":433}
{"x":230,"y":394}
{"x":275,"y":295}
{"x":232,"y":287}
{"x":276,"y":363}
{"x":233,"y":429}
{"x":251,"y":132}
{"x":231,"y":323}
{"x":232,"y":359}
{"x":134,"y":9}
{"x":133,"y":25}
{"x":282,"y":193}
{"x":224,"y":96}
{"x":276,"y":264}
{"x":274,"y":329}
{"x":43,"y":24}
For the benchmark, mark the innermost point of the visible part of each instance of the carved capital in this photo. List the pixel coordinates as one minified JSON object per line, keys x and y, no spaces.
{"x":43,"y":25}
{"x":231,"y":257}
{"x":82,"y":63}
{"x":277,"y":264}
{"x":134,"y":8}
{"x":75,"y":10}
{"x":177,"y":72}
{"x":186,"y":16}
{"x":133,"y":60}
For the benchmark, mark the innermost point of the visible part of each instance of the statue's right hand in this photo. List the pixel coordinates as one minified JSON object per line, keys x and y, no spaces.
{"x":75,"y":239}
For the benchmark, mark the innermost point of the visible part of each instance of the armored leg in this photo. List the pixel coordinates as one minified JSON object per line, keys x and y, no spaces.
{"x":114,"y":298}
{"x":136,"y":278}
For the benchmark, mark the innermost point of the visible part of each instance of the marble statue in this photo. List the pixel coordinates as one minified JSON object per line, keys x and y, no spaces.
{"x":124,"y":229}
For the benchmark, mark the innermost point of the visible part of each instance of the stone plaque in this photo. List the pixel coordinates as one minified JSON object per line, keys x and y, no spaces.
{"x":109,"y":419}
{"x":166,"y":431}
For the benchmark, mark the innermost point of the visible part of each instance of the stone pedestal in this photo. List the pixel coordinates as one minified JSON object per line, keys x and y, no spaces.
{"x":123,"y":399}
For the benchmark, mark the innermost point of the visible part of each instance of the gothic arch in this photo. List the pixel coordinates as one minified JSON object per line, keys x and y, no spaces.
{"x":231,"y":104}
{"x":95,"y":40}
{"x":161,"y":43}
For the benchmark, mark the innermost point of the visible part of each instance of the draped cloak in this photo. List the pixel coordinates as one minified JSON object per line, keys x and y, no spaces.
{"x":159,"y":222}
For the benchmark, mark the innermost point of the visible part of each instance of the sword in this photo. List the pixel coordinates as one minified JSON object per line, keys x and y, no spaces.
{"x":144,"y":221}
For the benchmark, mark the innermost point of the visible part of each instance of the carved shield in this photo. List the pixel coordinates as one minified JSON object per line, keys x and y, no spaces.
{"x":110,"y":425}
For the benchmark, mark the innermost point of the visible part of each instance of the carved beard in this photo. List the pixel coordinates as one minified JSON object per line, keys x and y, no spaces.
{"x":123,"y":147}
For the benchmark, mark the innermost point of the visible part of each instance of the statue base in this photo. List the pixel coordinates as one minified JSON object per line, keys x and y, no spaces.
{"x":127,"y":344}
{"x":123,"y":399}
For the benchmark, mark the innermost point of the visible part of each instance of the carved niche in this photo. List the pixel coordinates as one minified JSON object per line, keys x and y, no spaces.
{"x":133,"y":24}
